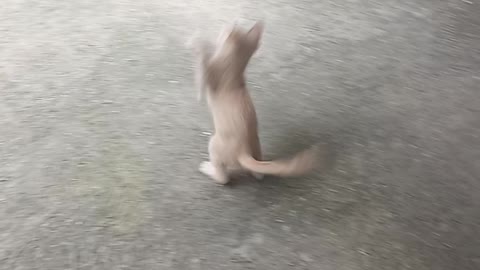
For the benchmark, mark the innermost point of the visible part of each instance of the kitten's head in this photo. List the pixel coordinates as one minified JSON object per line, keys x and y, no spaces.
{"x":238,"y":44}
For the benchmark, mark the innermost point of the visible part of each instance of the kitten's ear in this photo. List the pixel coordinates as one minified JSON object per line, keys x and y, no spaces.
{"x":254,"y":35}
{"x":227,"y":30}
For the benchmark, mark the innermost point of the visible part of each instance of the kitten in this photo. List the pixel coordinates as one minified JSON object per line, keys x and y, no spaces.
{"x":235,"y":144}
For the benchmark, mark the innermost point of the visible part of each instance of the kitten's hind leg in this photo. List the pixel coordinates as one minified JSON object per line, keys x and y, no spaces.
{"x":257,"y":154}
{"x":215,"y":168}
{"x":214,"y":171}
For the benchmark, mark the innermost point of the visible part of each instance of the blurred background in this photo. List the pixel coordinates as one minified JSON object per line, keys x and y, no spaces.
{"x":101,"y":136}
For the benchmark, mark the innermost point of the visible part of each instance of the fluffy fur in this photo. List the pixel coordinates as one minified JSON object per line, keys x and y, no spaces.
{"x":235,"y":144}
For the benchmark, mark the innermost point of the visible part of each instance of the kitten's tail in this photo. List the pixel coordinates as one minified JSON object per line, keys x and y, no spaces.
{"x":299,"y":164}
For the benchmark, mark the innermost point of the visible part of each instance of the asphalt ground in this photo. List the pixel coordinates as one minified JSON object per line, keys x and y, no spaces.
{"x":101,"y":136}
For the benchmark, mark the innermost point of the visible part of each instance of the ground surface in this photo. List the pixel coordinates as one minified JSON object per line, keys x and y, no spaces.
{"x":101,"y":136}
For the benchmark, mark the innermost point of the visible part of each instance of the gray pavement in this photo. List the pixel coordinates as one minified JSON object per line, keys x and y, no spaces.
{"x":101,"y":136}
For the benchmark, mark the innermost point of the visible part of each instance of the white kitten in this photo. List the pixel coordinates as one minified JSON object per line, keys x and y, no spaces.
{"x":235,"y":144}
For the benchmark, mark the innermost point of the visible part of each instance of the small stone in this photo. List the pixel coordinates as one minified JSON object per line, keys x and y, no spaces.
{"x":257,"y":239}
{"x":305,"y":257}
{"x":241,"y":255}
{"x":363,"y":252}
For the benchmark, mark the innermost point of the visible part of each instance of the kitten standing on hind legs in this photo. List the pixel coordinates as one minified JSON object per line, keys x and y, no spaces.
{"x":235,"y":144}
